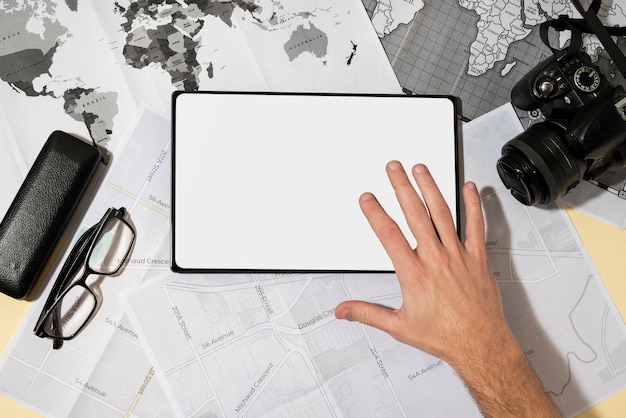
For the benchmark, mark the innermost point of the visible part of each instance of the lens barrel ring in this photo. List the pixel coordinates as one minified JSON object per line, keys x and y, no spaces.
{"x":551,"y":182}
{"x":543,"y":163}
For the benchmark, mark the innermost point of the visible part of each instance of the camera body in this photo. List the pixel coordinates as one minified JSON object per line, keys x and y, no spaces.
{"x":584,"y":133}
{"x":560,"y":86}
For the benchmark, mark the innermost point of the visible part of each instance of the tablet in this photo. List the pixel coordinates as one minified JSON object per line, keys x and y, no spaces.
{"x":270,"y":182}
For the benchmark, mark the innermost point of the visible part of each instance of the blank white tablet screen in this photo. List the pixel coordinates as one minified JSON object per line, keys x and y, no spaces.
{"x":271,"y":182}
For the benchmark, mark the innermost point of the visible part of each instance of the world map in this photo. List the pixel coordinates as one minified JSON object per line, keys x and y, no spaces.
{"x":162,"y":34}
{"x":29,"y":40}
{"x":166,"y":34}
{"x":459,"y":42}
{"x":169,"y":35}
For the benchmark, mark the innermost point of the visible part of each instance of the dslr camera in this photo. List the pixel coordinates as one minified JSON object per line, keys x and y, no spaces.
{"x":582,"y":136}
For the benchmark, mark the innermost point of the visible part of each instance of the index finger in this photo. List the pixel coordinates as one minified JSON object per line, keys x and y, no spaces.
{"x":389,"y":234}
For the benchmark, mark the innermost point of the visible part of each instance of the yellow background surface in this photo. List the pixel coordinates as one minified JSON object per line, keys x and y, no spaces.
{"x":606,"y":247}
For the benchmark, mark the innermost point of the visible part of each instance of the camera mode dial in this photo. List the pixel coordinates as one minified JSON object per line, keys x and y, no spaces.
{"x":587,"y":79}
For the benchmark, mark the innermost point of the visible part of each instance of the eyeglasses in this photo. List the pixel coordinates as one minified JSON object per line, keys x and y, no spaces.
{"x":101,"y":250}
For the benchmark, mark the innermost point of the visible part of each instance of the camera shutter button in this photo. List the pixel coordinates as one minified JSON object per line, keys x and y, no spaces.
{"x":545,"y":88}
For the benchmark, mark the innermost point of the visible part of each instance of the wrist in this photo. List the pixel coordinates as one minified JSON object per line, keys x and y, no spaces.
{"x":502,"y":381}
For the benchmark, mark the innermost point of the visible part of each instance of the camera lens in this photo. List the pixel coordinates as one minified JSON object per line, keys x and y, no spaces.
{"x":539,"y":165}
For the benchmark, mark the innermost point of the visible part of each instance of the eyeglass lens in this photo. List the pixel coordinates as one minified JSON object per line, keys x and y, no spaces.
{"x":111,"y":247}
{"x":71,"y":312}
{"x":76,"y":307}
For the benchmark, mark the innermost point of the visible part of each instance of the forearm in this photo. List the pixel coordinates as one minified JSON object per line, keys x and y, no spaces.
{"x":504,"y":384}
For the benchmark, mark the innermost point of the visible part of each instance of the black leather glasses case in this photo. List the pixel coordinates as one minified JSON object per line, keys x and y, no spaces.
{"x":40,"y":211}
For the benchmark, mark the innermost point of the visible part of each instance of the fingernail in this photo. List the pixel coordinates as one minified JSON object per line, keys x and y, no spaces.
{"x":395,"y":165}
{"x":471,"y":185}
{"x":420,"y":168}
{"x":342,"y":314}
{"x":367,"y":196}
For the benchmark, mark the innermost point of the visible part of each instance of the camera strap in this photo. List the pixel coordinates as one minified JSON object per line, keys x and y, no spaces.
{"x":561,"y":24}
{"x":589,"y":24}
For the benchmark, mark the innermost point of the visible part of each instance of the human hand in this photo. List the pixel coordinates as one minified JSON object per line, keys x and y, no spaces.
{"x":451,"y":302}
{"x":451,"y":305}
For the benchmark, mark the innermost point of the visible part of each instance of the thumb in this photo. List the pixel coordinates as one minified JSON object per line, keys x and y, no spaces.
{"x":366,"y":313}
